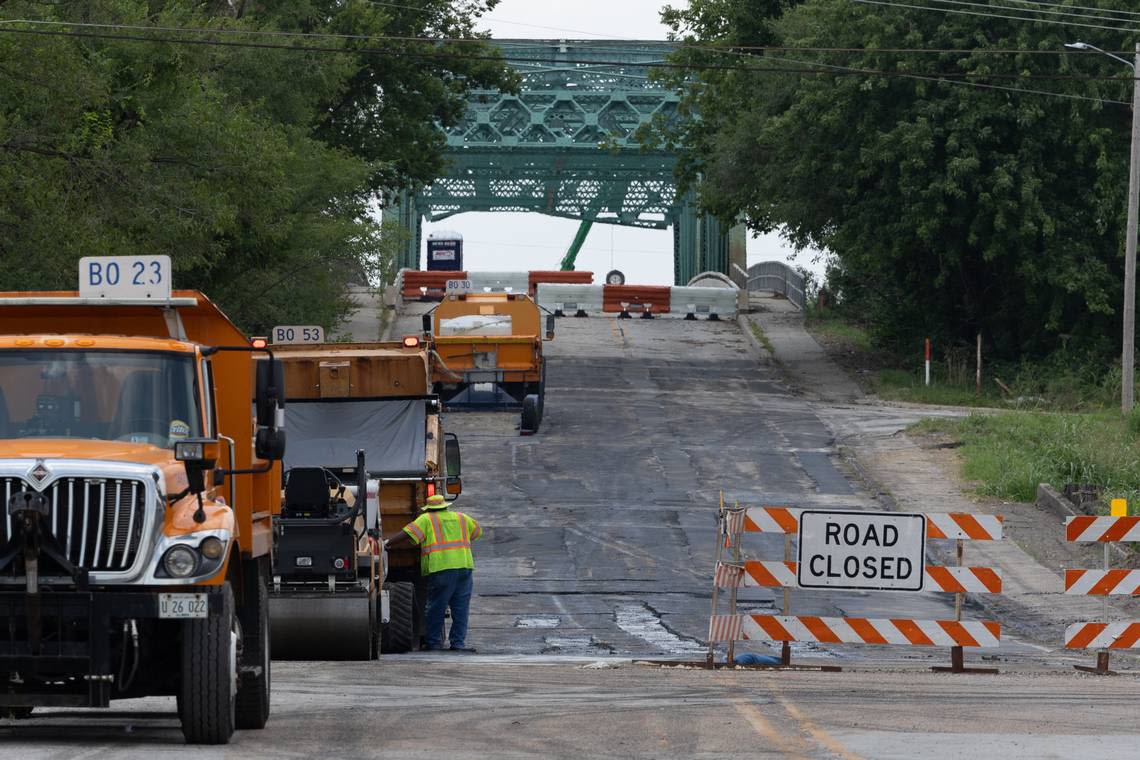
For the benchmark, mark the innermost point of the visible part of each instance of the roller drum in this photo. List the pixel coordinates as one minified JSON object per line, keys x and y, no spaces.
{"x":322,"y":627}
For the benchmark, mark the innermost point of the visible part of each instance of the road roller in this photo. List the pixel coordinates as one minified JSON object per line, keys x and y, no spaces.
{"x":361,"y":420}
{"x":327,"y":600}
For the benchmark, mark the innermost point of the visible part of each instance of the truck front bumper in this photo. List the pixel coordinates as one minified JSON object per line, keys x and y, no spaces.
{"x":74,"y":664}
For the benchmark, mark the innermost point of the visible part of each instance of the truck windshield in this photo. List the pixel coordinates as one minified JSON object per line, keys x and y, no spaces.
{"x":135,"y":396}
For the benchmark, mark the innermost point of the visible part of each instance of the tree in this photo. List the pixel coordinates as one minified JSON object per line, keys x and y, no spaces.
{"x":954,"y":203}
{"x":242,"y":163}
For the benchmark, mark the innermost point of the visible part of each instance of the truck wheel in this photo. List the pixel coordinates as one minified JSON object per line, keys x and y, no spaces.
{"x":252,"y":709}
{"x":398,"y":635}
{"x":208,"y":691}
{"x":530,"y":415}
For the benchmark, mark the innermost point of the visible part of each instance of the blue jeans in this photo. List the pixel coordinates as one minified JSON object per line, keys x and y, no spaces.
{"x":448,"y":588}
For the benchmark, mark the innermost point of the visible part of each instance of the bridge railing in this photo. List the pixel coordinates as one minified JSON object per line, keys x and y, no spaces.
{"x":777,"y":277}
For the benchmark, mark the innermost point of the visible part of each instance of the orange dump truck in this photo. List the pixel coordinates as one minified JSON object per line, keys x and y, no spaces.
{"x":364,"y":415}
{"x":489,"y":353}
{"x":139,"y":472}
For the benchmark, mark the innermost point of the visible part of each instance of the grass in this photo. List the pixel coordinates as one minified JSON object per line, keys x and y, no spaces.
{"x":823,"y":322}
{"x":760,"y":336}
{"x":1009,"y":454}
{"x":1064,"y":381}
{"x":904,"y":385}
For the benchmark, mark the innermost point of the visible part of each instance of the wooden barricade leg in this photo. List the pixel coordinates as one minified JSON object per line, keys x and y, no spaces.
{"x":957,"y":653}
{"x":1101,"y":667}
{"x":721,"y":534}
{"x":786,"y":647}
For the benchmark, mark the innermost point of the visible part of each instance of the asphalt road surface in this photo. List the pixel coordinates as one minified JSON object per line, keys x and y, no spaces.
{"x":598,"y":552}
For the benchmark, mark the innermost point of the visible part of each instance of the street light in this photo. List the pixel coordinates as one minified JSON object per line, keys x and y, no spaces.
{"x":1127,"y":357}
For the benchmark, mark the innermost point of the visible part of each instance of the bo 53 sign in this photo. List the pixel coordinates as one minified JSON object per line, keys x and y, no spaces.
{"x":872,"y":551}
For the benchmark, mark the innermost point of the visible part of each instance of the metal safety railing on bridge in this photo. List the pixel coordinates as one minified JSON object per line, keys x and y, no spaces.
{"x":777,"y":277}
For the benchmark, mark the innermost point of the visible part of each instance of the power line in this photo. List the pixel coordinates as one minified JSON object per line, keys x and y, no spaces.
{"x":993,"y":15}
{"x":498,"y":20}
{"x":445,"y":55}
{"x":960,"y":78}
{"x":1000,"y":6}
{"x":982,"y":85}
{"x":1079,"y":7}
{"x":734,"y":49}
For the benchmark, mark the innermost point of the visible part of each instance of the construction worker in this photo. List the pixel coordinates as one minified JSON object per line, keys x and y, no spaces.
{"x":444,"y":538}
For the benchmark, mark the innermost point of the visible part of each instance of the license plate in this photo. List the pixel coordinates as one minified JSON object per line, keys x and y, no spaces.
{"x":183,"y":606}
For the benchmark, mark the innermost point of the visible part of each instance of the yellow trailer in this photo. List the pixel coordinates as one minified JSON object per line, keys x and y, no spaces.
{"x":489,"y":353}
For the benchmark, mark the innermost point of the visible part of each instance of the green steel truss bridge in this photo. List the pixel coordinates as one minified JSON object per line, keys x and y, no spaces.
{"x":565,"y":146}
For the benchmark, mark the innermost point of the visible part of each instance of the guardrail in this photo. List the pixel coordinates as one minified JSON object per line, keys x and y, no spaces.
{"x":777,"y":277}
{"x":577,"y":300}
{"x":714,"y":303}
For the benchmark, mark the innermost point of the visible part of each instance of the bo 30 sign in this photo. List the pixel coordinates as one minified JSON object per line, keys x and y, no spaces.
{"x":873,"y":551}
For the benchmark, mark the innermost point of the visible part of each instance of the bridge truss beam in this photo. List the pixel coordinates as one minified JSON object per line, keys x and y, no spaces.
{"x":566,"y":146}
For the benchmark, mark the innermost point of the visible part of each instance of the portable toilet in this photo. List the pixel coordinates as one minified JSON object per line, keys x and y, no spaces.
{"x":445,"y":252}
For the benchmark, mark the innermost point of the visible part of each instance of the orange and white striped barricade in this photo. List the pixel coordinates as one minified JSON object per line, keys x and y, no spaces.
{"x":786,"y":628}
{"x":1103,"y":636}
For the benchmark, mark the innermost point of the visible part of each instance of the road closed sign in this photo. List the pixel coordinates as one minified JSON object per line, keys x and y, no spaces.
{"x":872,"y":551}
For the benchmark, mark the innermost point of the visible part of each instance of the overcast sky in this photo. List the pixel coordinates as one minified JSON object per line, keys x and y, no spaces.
{"x":515,"y":242}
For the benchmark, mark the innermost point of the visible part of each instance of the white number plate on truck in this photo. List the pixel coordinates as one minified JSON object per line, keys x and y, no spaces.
{"x":128,"y":277}
{"x":284,"y":335}
{"x":180,"y":606}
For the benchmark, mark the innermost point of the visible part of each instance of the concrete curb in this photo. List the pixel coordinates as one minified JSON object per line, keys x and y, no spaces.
{"x":1049,"y":498}
{"x":756,"y":348}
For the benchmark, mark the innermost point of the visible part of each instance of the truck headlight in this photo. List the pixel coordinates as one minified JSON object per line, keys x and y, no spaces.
{"x":180,"y":561}
{"x":211,"y":547}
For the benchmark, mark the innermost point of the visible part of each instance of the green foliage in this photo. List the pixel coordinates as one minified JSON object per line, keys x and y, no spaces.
{"x":832,"y":324}
{"x":951,"y":208}
{"x":1010,"y":454}
{"x":254,"y":168}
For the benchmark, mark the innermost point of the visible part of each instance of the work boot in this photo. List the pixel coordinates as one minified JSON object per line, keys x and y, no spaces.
{"x":467,"y":649}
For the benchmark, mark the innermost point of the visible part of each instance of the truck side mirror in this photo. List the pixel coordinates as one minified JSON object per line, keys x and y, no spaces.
{"x":550,"y":327}
{"x":197,"y":455}
{"x":427,"y":324}
{"x":269,"y":443}
{"x":269,"y":395}
{"x":453,"y":464}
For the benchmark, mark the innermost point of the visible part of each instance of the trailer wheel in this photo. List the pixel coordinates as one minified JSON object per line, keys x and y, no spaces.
{"x":530,"y":415}
{"x":207,"y":695}
{"x":398,"y":635}
{"x":542,"y":394}
{"x":252,"y":709}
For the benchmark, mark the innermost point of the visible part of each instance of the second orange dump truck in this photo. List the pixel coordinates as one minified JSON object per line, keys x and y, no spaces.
{"x":489,"y":353}
{"x":365,"y":429}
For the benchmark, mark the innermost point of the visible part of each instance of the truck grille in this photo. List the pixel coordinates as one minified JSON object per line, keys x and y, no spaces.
{"x":97,"y":521}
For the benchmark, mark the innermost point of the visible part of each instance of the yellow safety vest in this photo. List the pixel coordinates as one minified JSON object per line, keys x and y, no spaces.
{"x":444,"y":538}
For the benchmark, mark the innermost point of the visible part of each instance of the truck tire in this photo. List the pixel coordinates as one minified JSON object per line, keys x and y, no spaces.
{"x":399,"y":635}
{"x":252,"y":710}
{"x":207,"y":694}
{"x":530,"y":415}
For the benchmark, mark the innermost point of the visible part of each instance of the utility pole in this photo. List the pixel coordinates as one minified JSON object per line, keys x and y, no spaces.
{"x":1128,"y":351}
{"x":1128,"y":356}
